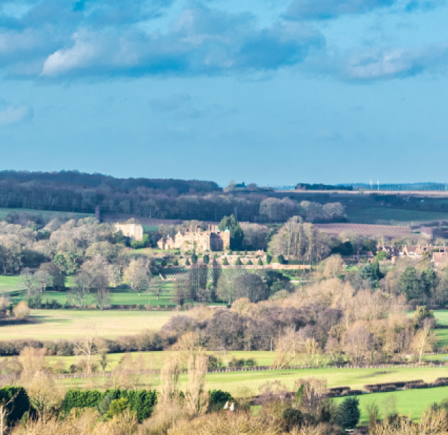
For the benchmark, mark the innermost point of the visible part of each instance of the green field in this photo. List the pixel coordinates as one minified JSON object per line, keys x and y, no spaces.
{"x":441,"y":316}
{"x":68,"y":324}
{"x":9,"y":284}
{"x":408,"y":402}
{"x":47,"y":214}
{"x":252,"y":380}
{"x":377,"y":215}
{"x":155,"y":359}
{"x":119,"y":296}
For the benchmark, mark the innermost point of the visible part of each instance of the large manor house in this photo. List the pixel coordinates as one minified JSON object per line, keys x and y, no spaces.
{"x":195,"y":238}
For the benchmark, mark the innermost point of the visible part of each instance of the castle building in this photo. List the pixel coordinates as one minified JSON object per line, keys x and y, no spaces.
{"x":194,"y":238}
{"x":133,"y":231}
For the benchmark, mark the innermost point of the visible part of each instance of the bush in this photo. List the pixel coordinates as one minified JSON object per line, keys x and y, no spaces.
{"x":22,"y":310}
{"x":249,"y":263}
{"x":17,"y":401}
{"x":225,"y":262}
{"x":140,"y":401}
{"x":194,"y":258}
{"x":217,"y":400}
{"x":187,"y":262}
{"x":268,"y":258}
{"x":260,"y":262}
{"x":293,"y":418}
{"x":250,"y":362}
{"x":348,"y":413}
{"x":214,"y":362}
{"x":206,"y":259}
{"x":238,"y":262}
{"x":281,"y":259}
{"x":117,"y":407}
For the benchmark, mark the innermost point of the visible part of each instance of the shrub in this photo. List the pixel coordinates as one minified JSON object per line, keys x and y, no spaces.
{"x":187,"y":262}
{"x":238,"y":262}
{"x":260,"y":262}
{"x":250,"y":362}
{"x":293,"y":418}
{"x":268,"y":258}
{"x":249,"y":263}
{"x":214,"y":362}
{"x":206,"y":259}
{"x":217,"y":400}
{"x":117,"y":407}
{"x":22,"y":310}
{"x":17,"y":401}
{"x":225,"y":262}
{"x":281,"y":259}
{"x":140,"y":401}
{"x":194,"y":258}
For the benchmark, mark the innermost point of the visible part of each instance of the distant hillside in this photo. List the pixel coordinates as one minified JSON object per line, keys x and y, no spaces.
{"x":78,"y":179}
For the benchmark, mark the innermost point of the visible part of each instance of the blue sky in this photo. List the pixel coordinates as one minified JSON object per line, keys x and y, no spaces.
{"x":273,"y":92}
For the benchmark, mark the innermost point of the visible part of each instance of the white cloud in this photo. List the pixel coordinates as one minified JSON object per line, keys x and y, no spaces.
{"x":13,"y":115}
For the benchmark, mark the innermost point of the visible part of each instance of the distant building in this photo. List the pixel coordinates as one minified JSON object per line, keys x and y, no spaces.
{"x":416,"y":251}
{"x":133,"y":231}
{"x":439,"y":257}
{"x":194,"y":238}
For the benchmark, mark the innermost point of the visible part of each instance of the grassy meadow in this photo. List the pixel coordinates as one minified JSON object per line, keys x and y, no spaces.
{"x":69,"y":324}
{"x":251,"y":381}
{"x":11,"y":286}
{"x":408,"y":402}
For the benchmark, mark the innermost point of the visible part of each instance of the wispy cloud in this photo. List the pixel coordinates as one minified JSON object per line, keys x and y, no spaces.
{"x":325,"y":9}
{"x":13,"y":115}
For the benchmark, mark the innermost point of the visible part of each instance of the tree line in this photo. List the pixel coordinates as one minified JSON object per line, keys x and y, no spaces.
{"x":160,"y":199}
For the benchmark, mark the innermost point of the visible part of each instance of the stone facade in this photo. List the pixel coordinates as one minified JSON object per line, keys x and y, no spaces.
{"x":133,"y":231}
{"x":194,"y":238}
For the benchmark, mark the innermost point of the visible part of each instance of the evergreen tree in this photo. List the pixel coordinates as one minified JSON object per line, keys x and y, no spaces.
{"x":349,"y":413}
{"x":225,"y":262}
{"x":428,"y":281}
{"x":238,"y":262}
{"x":260,"y":262}
{"x":236,"y":232}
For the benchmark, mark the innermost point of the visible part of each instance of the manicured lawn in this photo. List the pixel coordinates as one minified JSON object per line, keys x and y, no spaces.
{"x":409,"y":402}
{"x":68,"y":324}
